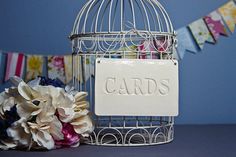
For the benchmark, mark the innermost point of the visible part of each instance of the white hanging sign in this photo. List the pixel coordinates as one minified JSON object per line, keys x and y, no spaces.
{"x":134,"y":87}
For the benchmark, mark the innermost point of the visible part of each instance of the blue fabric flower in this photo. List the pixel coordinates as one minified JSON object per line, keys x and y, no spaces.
{"x":53,"y":82}
{"x":10,"y":117}
{"x":3,"y":129}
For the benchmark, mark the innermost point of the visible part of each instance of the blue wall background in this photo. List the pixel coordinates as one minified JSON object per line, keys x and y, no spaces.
{"x":207,"y":80}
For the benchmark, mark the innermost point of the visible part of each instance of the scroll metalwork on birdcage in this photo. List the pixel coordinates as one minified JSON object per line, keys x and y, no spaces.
{"x":122,"y":30}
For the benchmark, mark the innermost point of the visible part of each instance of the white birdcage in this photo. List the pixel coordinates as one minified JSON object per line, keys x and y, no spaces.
{"x":133,"y":29}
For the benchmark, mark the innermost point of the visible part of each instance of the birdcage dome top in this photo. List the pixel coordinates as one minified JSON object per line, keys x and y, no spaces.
{"x":115,"y":25}
{"x":121,"y":16}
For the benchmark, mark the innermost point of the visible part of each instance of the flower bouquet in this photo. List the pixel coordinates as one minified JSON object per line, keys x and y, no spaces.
{"x":42,"y":115}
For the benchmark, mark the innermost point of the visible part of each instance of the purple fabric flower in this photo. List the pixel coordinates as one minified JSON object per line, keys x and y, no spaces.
{"x":70,"y":136}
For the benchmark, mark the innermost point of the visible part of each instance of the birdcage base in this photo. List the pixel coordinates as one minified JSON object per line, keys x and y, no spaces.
{"x":132,"y":136}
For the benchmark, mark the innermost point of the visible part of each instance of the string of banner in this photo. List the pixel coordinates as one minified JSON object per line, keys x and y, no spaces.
{"x":190,"y":39}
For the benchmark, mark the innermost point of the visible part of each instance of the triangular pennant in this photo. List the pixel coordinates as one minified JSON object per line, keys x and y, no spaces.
{"x":56,"y":68}
{"x":201,"y":33}
{"x":175,"y":54}
{"x":34,"y":67}
{"x":130,"y":52}
{"x":2,"y":66}
{"x":228,"y":12}
{"x":78,"y":70}
{"x":185,"y":42}
{"x":215,"y":24}
{"x":85,"y":67}
{"x":68,"y":68}
{"x":15,"y":65}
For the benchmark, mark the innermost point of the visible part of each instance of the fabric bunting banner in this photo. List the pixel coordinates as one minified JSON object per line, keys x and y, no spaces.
{"x":190,"y":38}
{"x":228,"y":12}
{"x":185,"y":42}
{"x":215,"y":24}
{"x":15,"y":65}
{"x":201,"y":33}
{"x":34,"y":67}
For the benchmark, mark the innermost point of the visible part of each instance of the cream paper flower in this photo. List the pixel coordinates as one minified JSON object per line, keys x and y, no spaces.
{"x":6,"y":144}
{"x":70,"y":109}
{"x":40,"y":106}
{"x":20,"y":133}
{"x":6,"y":103}
{"x":8,"y":99}
{"x":77,"y":115}
{"x":45,"y":133}
{"x":42,"y":112}
{"x":24,"y":133}
{"x":83,"y":125}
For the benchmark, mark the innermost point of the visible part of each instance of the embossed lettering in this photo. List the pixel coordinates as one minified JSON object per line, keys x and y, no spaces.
{"x":123,"y":88}
{"x":152,"y":86}
{"x":110,"y":85}
{"x":138,"y":86}
{"x":164,"y":87}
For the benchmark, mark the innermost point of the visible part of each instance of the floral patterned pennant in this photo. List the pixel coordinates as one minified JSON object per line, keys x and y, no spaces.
{"x":56,"y":68}
{"x":201,"y":33}
{"x":228,"y":12}
{"x":215,"y":24}
{"x":34,"y":67}
{"x":185,"y":42}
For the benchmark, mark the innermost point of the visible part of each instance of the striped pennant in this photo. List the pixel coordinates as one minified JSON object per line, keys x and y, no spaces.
{"x":15,"y":65}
